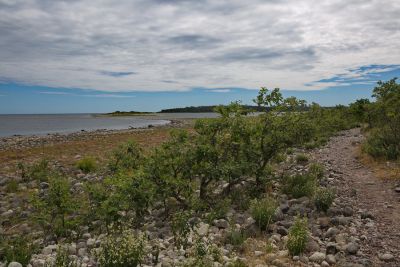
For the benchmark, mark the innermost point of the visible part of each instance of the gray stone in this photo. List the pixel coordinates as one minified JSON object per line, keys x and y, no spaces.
{"x":386,"y":257}
{"x":330,"y":259}
{"x":332,"y":232}
{"x":14,"y":264}
{"x":348,"y":211}
{"x":352,"y":248}
{"x":317,"y":257}
{"x":312,"y":245}
{"x":221,"y":223}
{"x":397,"y":189}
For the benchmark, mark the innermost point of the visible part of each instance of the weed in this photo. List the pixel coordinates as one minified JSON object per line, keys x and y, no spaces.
{"x":297,"y":237}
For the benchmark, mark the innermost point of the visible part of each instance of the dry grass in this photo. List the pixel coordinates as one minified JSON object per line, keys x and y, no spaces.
{"x":383,"y":169}
{"x":99,"y":146}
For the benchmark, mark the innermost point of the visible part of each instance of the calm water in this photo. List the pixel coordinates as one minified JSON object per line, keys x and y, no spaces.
{"x":68,"y":123}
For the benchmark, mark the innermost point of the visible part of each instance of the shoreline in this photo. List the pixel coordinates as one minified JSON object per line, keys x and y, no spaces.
{"x":18,"y":142}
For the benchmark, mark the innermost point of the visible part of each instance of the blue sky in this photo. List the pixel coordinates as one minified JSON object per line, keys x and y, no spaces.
{"x":97,"y":56}
{"x":23,"y":99}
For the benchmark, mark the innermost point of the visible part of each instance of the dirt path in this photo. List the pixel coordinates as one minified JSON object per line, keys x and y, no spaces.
{"x":359,"y":187}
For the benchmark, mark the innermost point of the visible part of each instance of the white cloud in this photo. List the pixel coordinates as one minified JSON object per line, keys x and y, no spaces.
{"x":164,"y":45}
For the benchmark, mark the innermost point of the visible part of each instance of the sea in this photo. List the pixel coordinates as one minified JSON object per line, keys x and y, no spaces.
{"x":43,"y":124}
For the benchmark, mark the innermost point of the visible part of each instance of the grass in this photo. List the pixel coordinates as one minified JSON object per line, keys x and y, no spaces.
{"x":323,"y":199}
{"x":299,"y":185}
{"x":263,"y":211}
{"x":297,"y":237}
{"x":301,"y":158}
{"x":87,"y":164}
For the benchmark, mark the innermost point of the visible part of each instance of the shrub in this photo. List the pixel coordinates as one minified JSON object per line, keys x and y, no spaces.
{"x":297,"y":237}
{"x":263,"y":211}
{"x":18,"y":249}
{"x":316,"y":170}
{"x":39,"y":171}
{"x":323,"y":199}
{"x":12,"y":186}
{"x":127,"y":156}
{"x":86,"y":164}
{"x":219,"y":210}
{"x":122,"y":249}
{"x":380,"y":143}
{"x":63,"y":258}
{"x":236,"y":237}
{"x":299,"y":185}
{"x":56,"y":207}
{"x":181,"y":228}
{"x":301,"y":158}
{"x":203,"y":254}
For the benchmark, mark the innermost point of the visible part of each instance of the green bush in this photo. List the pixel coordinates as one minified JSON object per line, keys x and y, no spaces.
{"x":39,"y":171}
{"x":87,"y":164}
{"x":297,"y":237}
{"x":316,"y":170}
{"x":12,"y":186}
{"x":122,"y":249}
{"x":55,"y":210}
{"x":236,"y":238}
{"x":299,"y":185}
{"x":181,"y":228}
{"x":127,"y":156}
{"x":63,"y":258}
{"x":18,"y":249}
{"x":323,"y":199}
{"x":203,"y":254}
{"x":263,"y":211}
{"x":383,"y":117}
{"x":301,"y":158}
{"x":219,"y":210}
{"x":381,"y":143}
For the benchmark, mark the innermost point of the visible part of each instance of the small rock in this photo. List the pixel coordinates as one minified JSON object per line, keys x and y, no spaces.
{"x":258,"y":253}
{"x":14,"y":264}
{"x":386,"y":257}
{"x":317,"y":257}
{"x":352,"y":248}
{"x":397,"y":189}
{"x":330,"y":259}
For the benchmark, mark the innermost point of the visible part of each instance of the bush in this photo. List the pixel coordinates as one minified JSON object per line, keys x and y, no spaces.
{"x":181,"y":229}
{"x":299,"y":185}
{"x":235,"y":237}
{"x":39,"y":171}
{"x":301,"y":158}
{"x":380,"y":143}
{"x":316,"y":170}
{"x":86,"y":164}
{"x":297,"y":237}
{"x":323,"y":199}
{"x":17,"y":249}
{"x":55,"y":209}
{"x":63,"y":258}
{"x":219,"y":210}
{"x":203,"y":255}
{"x":127,"y":156}
{"x":263,"y":211}
{"x":122,"y":249}
{"x":12,"y":186}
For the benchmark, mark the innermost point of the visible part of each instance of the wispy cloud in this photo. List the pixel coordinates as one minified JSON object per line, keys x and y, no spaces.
{"x":117,"y":73}
{"x":220,"y":90}
{"x":54,"y":93}
{"x":108,"y":95}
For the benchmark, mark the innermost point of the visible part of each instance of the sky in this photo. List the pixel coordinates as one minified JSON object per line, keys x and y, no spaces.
{"x":98,"y":56}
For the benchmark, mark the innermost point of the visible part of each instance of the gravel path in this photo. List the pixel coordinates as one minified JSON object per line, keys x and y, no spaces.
{"x":369,"y":196}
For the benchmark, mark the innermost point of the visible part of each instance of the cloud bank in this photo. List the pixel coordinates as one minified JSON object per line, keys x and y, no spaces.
{"x":176,"y":45}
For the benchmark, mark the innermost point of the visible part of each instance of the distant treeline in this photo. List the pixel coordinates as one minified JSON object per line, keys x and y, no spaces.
{"x":201,"y":109}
